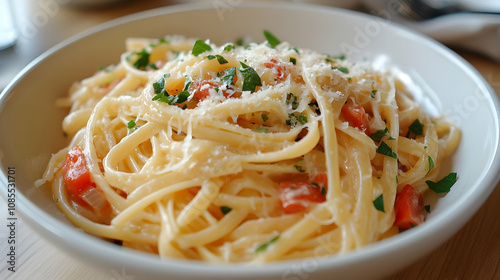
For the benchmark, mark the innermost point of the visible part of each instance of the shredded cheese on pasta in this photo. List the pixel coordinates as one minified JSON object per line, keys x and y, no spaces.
{"x":204,"y":156}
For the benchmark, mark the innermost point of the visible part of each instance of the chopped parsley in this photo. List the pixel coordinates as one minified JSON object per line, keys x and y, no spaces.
{"x":264,"y":246}
{"x":293,"y":119}
{"x":372,"y":95}
{"x":142,"y":59}
{"x":292,"y":100}
{"x":227,"y":76}
{"x":299,"y":167}
{"x":384,"y":149}
{"x":229,"y":47}
{"x":302,"y":119}
{"x":444,"y":185}
{"x":131,"y":124}
{"x":377,"y":136}
{"x":323,"y":191}
{"x":200,"y":47}
{"x":160,"y":41}
{"x":239,"y":42}
{"x":341,"y":57}
{"x":225,"y":209}
{"x":250,"y":78}
{"x":273,"y":41}
{"x":416,"y":128}
{"x":431,"y":164}
{"x":219,"y":57}
{"x":342,"y":69}
{"x":329,"y":58}
{"x":379,"y":203}
{"x":163,"y":96}
{"x":159,"y":86}
{"x":293,"y":60}
{"x":427,"y":208}
{"x":264,"y":117}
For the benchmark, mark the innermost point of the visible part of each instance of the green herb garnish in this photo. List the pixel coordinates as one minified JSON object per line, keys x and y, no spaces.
{"x":293,"y":60}
{"x":384,"y":149}
{"x":229,"y":47}
{"x":302,"y":119}
{"x":250,"y":78}
{"x":142,"y":59}
{"x":444,"y":185}
{"x":342,"y":69}
{"x":416,"y":128}
{"x":131,"y":124}
{"x":377,"y":136}
{"x":264,"y":246}
{"x":227,"y":76}
{"x":225,"y":209}
{"x":379,"y":203}
{"x":163,"y":96}
{"x":292,"y":100}
{"x":431,"y":164}
{"x":239,"y":42}
{"x":200,"y":47}
{"x":273,"y":41}
{"x":427,"y":208}
{"x":264,"y":117}
{"x":293,"y":119}
{"x":299,"y":167}
{"x":159,"y":86}
{"x":220,"y":58}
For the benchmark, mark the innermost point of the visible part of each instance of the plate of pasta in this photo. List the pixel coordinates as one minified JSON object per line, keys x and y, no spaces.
{"x":271,"y":141}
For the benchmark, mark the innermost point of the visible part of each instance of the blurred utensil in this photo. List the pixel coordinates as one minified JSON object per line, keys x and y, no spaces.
{"x":8,"y":34}
{"x":422,"y":9}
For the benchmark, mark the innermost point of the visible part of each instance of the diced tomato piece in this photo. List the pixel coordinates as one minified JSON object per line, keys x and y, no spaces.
{"x":201,"y":89}
{"x":76,"y":175}
{"x":356,"y":116}
{"x":409,"y":208}
{"x":298,"y":196}
{"x":280,"y":70}
{"x":321,"y":180}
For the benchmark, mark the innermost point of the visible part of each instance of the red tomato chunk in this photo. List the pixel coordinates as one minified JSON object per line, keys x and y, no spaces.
{"x":76,"y":175}
{"x":298,"y":196}
{"x":356,"y":116}
{"x":409,"y":208}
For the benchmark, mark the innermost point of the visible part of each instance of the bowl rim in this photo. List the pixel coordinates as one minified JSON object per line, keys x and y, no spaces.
{"x":50,"y":227}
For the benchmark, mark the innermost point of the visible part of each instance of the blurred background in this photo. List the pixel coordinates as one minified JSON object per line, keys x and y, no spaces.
{"x":28,"y":28}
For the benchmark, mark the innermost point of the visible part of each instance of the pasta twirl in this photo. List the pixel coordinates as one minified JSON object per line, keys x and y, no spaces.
{"x":250,"y":154}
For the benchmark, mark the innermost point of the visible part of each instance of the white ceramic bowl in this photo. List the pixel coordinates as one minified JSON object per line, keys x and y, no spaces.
{"x":30,"y":128}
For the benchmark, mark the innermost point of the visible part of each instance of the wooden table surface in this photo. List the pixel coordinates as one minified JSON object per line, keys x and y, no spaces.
{"x":473,"y":253}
